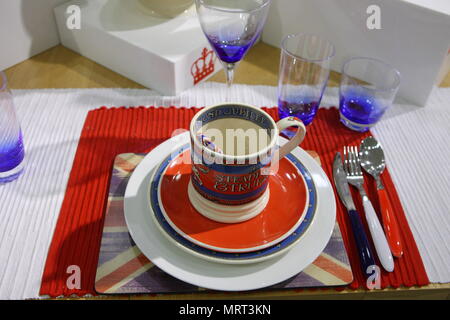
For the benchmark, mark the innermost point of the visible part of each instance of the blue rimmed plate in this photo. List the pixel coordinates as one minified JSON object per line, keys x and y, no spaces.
{"x":285,"y":219}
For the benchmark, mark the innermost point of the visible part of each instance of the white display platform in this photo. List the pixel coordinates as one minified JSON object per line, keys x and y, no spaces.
{"x":165,"y":54}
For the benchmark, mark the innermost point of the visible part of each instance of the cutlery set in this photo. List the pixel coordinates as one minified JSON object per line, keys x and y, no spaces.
{"x":348,"y":170}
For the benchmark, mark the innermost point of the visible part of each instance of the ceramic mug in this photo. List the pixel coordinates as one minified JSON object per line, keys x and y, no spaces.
{"x":233,"y":150}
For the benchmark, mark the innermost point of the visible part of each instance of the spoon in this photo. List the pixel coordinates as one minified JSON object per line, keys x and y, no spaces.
{"x":373,"y":162}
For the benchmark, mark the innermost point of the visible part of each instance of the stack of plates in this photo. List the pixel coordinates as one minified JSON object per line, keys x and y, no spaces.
{"x":285,"y":238}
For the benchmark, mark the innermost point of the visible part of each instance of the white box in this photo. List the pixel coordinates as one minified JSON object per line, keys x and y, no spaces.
{"x":168,"y":55}
{"x":413,"y":38}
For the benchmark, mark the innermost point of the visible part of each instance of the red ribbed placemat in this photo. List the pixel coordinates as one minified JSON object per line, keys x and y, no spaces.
{"x":110,"y":131}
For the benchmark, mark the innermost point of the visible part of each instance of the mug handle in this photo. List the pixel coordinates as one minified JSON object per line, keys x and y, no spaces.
{"x":295,"y":140}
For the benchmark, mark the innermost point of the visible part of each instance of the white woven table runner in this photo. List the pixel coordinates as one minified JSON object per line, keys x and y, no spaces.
{"x":416,"y":142}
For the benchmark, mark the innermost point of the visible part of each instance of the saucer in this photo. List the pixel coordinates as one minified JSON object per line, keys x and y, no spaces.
{"x":274,"y":228}
{"x":179,"y":263}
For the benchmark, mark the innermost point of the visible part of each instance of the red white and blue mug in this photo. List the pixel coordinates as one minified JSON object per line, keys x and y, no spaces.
{"x":233,"y":149}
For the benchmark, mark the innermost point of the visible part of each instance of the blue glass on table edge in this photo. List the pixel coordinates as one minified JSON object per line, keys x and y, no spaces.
{"x":12,"y":154}
{"x":360,"y":111}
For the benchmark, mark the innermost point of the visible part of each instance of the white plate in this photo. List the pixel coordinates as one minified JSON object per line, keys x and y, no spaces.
{"x":217,"y":276}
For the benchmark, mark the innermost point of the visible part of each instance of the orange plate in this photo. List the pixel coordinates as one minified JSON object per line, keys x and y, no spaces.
{"x":285,"y":208}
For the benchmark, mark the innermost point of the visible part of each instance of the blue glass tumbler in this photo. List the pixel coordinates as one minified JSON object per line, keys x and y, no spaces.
{"x":367,"y":89}
{"x":303,"y":76}
{"x":12,"y":152}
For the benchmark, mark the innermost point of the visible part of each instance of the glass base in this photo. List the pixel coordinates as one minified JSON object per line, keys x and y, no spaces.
{"x":13,"y":174}
{"x":360,"y":127}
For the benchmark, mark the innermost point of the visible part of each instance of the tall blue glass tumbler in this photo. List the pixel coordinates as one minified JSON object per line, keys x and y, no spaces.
{"x":303,"y":76}
{"x":367,"y":89}
{"x":12,"y":152}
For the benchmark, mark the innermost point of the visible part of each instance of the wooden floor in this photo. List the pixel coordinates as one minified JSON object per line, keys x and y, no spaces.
{"x":62,"y":68}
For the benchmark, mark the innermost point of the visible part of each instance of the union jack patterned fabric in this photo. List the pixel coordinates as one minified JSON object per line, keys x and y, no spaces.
{"x":123,"y":269}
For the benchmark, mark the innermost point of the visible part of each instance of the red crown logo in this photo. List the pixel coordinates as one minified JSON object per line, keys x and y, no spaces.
{"x":203,"y":66}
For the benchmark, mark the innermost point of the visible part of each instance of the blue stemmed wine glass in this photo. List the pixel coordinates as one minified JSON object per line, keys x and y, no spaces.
{"x":232,"y":27}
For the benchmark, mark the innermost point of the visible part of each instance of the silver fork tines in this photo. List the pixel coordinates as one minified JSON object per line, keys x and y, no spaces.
{"x":352,"y":166}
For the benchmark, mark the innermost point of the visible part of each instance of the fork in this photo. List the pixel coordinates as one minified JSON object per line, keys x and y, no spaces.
{"x":352,"y":166}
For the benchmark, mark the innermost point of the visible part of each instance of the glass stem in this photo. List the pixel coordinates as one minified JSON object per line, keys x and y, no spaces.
{"x":229,"y":71}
